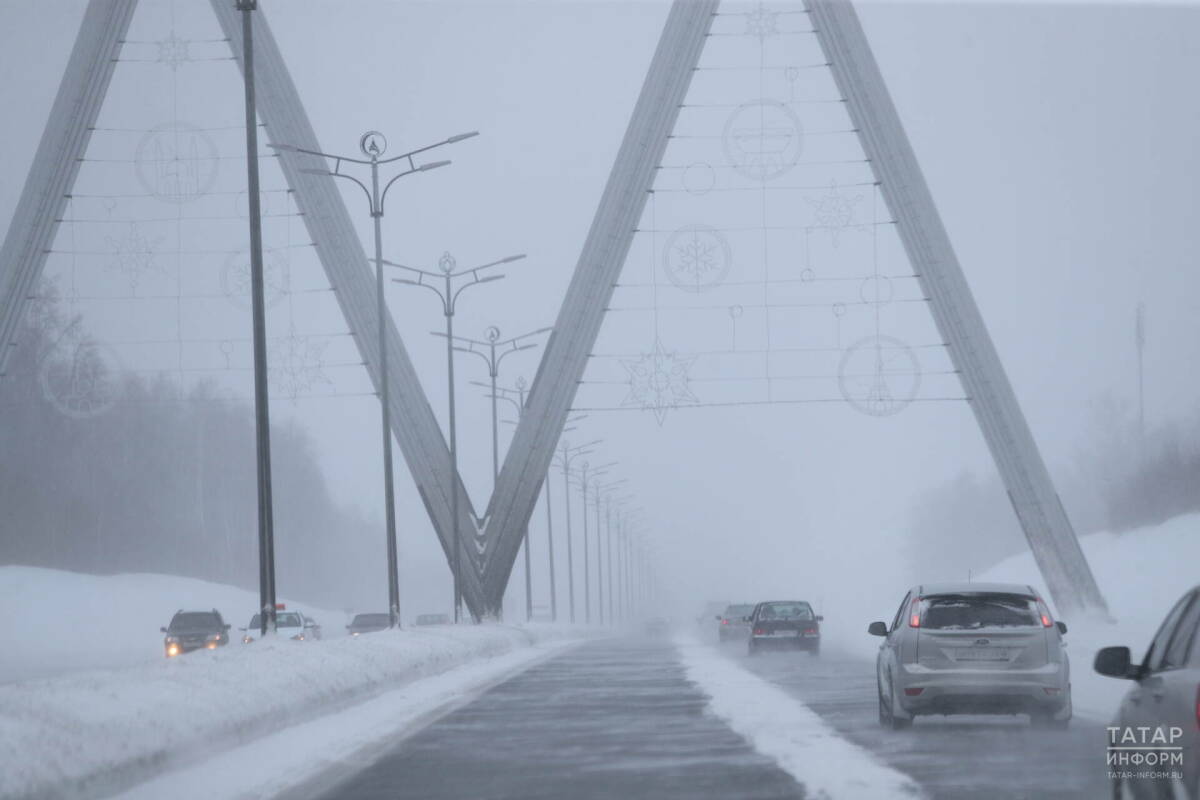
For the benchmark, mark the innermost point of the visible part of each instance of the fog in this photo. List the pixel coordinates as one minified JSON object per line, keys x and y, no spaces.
{"x":1057,"y":140}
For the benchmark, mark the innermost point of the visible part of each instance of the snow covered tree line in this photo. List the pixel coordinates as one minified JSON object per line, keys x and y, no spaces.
{"x":1122,"y":480}
{"x":160,"y":482}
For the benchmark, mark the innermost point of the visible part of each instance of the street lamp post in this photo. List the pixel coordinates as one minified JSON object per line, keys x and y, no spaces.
{"x":566,"y":456}
{"x":598,"y":489}
{"x":449,"y":273}
{"x":373,"y":145}
{"x":262,"y":422}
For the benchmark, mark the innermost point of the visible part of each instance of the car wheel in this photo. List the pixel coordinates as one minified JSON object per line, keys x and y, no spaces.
{"x":887,"y":714}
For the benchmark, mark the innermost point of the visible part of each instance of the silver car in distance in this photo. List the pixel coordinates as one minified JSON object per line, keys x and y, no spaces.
{"x":972,"y":648}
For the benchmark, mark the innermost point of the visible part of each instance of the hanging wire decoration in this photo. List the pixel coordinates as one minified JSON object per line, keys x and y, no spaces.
{"x":296,"y":364}
{"x":658,"y":381}
{"x":820,"y":304}
{"x":235,"y":277}
{"x":173,"y":51}
{"x":696,"y":258}
{"x":177,"y":162}
{"x":80,"y":377}
{"x":763,"y":139}
{"x":879,"y":376}
{"x":134,"y":255}
{"x":834,"y":211}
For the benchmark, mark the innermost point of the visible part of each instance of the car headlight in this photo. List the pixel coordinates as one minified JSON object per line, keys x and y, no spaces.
{"x":214,"y":637}
{"x":172,"y":640}
{"x":247,"y":639}
{"x":299,"y":637}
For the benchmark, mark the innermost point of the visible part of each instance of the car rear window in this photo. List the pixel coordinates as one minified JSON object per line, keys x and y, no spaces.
{"x":801,"y":611}
{"x":969,"y":611}
{"x":194,"y":620}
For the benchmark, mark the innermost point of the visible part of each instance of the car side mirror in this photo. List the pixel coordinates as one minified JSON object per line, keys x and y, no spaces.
{"x":820,"y":618}
{"x":877,"y":629}
{"x":227,"y":626}
{"x":718,"y":617}
{"x":1114,"y":662}
{"x":1062,"y":626}
{"x":164,"y":630}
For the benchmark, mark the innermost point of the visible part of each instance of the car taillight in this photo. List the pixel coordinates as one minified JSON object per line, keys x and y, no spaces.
{"x":759,"y":631}
{"x":913,"y":692}
{"x":724,"y":622}
{"x":810,"y":630}
{"x":1047,"y":622}
{"x":914,"y":615}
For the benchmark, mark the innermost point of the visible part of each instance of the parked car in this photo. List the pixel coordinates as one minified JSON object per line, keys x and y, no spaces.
{"x":784,"y":624}
{"x":972,"y":648}
{"x":292,"y":624}
{"x":732,"y":623}
{"x":193,"y":630}
{"x":1161,"y":709}
{"x":368,"y":623}
{"x":433,"y":619}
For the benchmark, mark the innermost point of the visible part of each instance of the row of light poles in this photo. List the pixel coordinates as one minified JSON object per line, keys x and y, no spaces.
{"x":448,"y":284}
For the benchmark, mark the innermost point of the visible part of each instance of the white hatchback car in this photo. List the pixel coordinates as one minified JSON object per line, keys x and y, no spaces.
{"x":972,"y":648}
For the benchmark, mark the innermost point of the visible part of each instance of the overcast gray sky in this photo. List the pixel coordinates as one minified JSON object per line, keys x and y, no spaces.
{"x":1058,"y":140}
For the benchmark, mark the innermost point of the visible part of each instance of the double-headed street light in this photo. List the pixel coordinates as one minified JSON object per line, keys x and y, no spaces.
{"x":373,"y":145}
{"x":442,"y":283}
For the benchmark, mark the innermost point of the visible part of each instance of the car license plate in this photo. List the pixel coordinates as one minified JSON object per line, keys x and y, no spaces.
{"x":983,"y":654}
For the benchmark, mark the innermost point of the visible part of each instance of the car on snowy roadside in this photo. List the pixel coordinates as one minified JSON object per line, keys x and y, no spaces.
{"x":292,"y":624}
{"x":784,"y":625}
{"x":1154,"y":741}
{"x":194,"y":630}
{"x":972,"y":648}
{"x":368,"y":623}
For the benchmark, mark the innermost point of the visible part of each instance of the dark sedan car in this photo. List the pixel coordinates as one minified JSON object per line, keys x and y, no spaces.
{"x":784,"y":625}
{"x":368,"y":623}
{"x":193,"y":630}
{"x":1154,"y":744}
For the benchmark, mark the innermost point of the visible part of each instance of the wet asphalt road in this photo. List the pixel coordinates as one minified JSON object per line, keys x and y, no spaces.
{"x":614,"y":718}
{"x":977,"y":757}
{"x":617,"y":719}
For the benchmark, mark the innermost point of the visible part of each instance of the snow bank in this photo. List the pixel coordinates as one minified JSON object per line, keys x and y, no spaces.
{"x":1141,"y":574}
{"x":780,"y":726}
{"x":58,"y":621}
{"x":89,"y":733}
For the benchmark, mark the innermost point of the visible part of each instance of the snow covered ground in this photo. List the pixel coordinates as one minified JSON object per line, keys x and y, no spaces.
{"x":57,"y":621}
{"x":94,"y":732}
{"x":778,"y":725}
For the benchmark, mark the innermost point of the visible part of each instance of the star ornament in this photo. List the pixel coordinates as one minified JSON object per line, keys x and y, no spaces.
{"x":133,"y":255}
{"x":173,"y":51}
{"x":658,"y":381}
{"x":296,"y":365}
{"x":834,"y":211}
{"x":762,"y":22}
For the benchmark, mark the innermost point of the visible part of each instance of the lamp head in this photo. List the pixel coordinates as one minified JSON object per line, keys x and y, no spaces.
{"x":447,"y":263}
{"x":492,"y":333}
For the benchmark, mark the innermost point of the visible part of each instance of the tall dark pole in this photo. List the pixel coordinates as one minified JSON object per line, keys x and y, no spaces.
{"x":599,"y":564}
{"x":612,"y":618}
{"x":550,"y":551}
{"x":389,"y":498}
{"x":587,"y":568}
{"x":448,"y":268}
{"x":570,"y":546}
{"x":262,"y":417}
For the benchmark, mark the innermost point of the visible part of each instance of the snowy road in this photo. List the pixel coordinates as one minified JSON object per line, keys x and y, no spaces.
{"x":618,"y":718}
{"x":984,"y":758}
